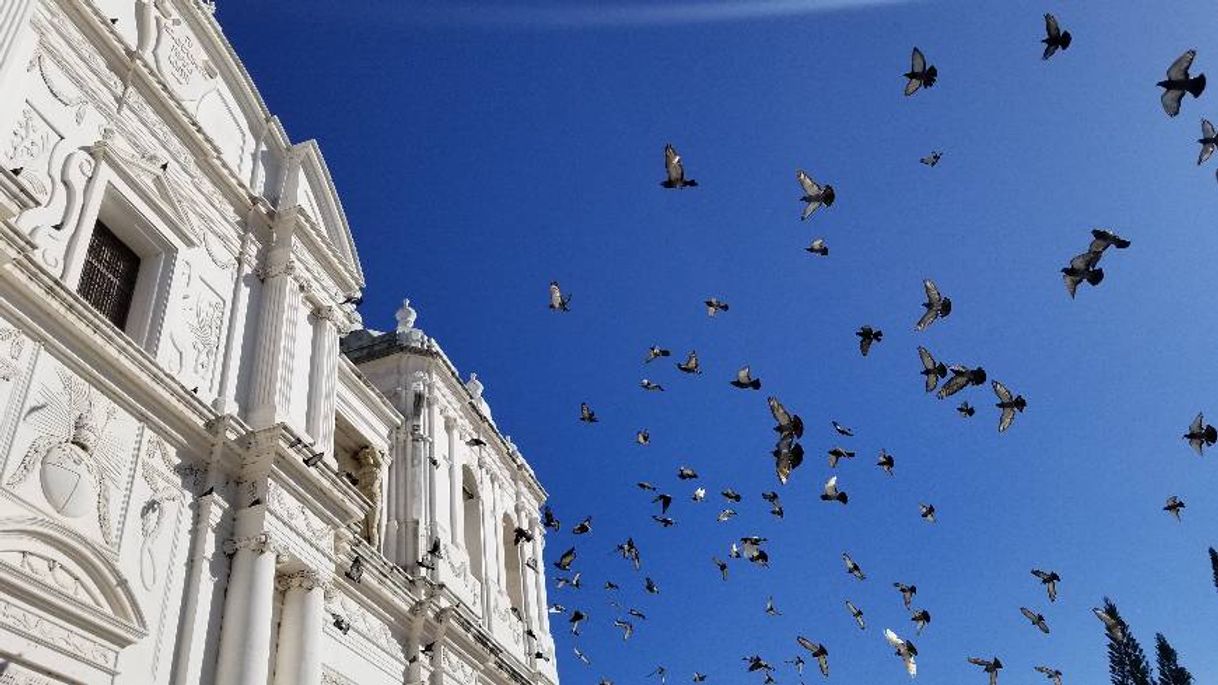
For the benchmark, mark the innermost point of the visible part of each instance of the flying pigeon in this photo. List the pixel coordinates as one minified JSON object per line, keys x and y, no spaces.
{"x":564,"y":562}
{"x":576,"y":618}
{"x":815,"y":195}
{"x":699,"y":494}
{"x":837,"y":454}
{"x":521,"y":535}
{"x":583,"y":527}
{"x":798,"y":662}
{"x":1208,"y":140}
{"x":788,"y":455}
{"x":962,"y":377}
{"x":1173,"y":506}
{"x":908,"y":592}
{"x":714,"y":305}
{"x":1008,"y":404}
{"x":661,"y":672}
{"x":651,"y":587}
{"x":725,"y":515}
{"x":817,"y":650}
{"x":832,"y":494}
{"x":1200,"y":434}
{"x":549,"y":520}
{"x":1082,"y":267}
{"x":586,"y":414}
{"x":921,"y":619}
{"x":853,"y":568}
{"x":857,"y":614}
{"x":905,"y":650}
{"x":630,"y":552}
{"x":885,"y":462}
{"x":690,"y":365}
{"x":966,"y":410}
{"x":1178,"y":82}
{"x":664,"y":521}
{"x":1102,"y":239}
{"x":675,"y":170}
{"x":750,"y":548}
{"x":932,"y":370}
{"x":655,"y":351}
{"x":842,"y":430}
{"x":644,"y":485}
{"x":731,"y":495}
{"x":1049,"y":579}
{"x":936,"y":306}
{"x":649,"y":385}
{"x":745,"y":381}
{"x":990,"y":666}
{"x":927,"y":512}
{"x":574,"y":581}
{"x":770,"y":609}
{"x":1054,"y":675}
{"x":1054,"y":37}
{"x":868,"y":335}
{"x":721,"y":565}
{"x":920,"y":75}
{"x":626,"y":626}
{"x":686,"y":473}
{"x":584,"y":658}
{"x":788,"y":424}
{"x":1113,"y":625}
{"x":932,"y":159}
{"x":1037,"y":620}
{"x":818,"y":247}
{"x":643,"y":437}
{"x":559,"y":302}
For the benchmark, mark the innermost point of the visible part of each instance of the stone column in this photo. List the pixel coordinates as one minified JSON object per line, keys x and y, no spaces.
{"x":396,"y":529}
{"x":226,"y":396}
{"x":543,"y":606}
{"x":275,"y":347}
{"x":528,"y":589}
{"x":323,"y":380}
{"x":17,"y":42}
{"x":431,"y":528}
{"x":245,"y":631}
{"x":486,"y":508}
{"x":456,"y":503}
{"x":298,"y":656}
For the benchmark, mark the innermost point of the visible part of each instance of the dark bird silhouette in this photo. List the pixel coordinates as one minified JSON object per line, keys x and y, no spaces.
{"x":921,"y":619}
{"x":558,"y":301}
{"x":1009,"y":404}
{"x":885,"y":462}
{"x":745,"y":381}
{"x":908,"y":592}
{"x":965,"y":410}
{"x":642,"y":437}
{"x":664,"y":501}
{"x":583,"y":527}
{"x":674,"y":170}
{"x":1055,"y":38}
{"x":818,"y":651}
{"x":690,"y":365}
{"x":868,"y":335}
{"x":853,"y":568}
{"x":654,"y":351}
{"x":575,"y":619}
{"x":1054,"y":675}
{"x":1049,"y":579}
{"x":920,"y":75}
{"x":1178,"y":82}
{"x":788,"y":455}
{"x":815,"y":195}
{"x":721,"y":565}
{"x":475,"y":442}
{"x":990,"y":666}
{"x":664,"y":521}
{"x":686,"y":473}
{"x":932,"y":159}
{"x":927,"y":512}
{"x":936,"y":306}
{"x":714,"y":305}
{"x":564,"y":562}
{"x":857,"y":614}
{"x":837,"y":454}
{"x":818,"y":247}
{"x":314,"y":459}
{"x":1208,"y":140}
{"x":586,"y":414}
{"x":549,"y":520}
{"x":1200,"y":434}
{"x":1037,"y":620}
{"x":788,"y":423}
{"x":1174,"y":506}
{"x":648,"y":385}
{"x":932,"y":371}
{"x":650,"y":586}
{"x":1082,"y":267}
{"x":1102,"y":239}
{"x":842,"y":430}
{"x":731,"y":495}
{"x":832,"y":494}
{"x":962,"y":377}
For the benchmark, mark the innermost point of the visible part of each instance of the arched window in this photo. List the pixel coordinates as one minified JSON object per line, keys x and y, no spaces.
{"x":473,"y":522}
{"x":511,"y":564}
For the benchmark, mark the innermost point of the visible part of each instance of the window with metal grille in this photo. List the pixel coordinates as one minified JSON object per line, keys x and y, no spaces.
{"x":107,"y":281}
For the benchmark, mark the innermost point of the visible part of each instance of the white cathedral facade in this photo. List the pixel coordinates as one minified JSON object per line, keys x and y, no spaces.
{"x":209,"y":471}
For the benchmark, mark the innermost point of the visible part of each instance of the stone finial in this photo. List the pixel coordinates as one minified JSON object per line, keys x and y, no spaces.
{"x":474,"y":386}
{"x":406,"y":316}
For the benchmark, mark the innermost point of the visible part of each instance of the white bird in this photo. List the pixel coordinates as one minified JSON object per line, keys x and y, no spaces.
{"x":905,"y":650}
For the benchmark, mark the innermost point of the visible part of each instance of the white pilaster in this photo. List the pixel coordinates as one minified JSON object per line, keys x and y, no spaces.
{"x":539,"y":581}
{"x":298,"y":655}
{"x":323,"y":374}
{"x":275,"y":348}
{"x":456,"y":506}
{"x":245,"y":632}
{"x":226,"y":396}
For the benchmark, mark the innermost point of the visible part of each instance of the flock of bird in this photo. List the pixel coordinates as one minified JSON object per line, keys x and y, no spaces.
{"x":937,"y":377}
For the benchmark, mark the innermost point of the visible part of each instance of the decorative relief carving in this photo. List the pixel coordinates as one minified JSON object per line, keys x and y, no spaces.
{"x":79,"y":458}
{"x":307,"y":579}
{"x":152,"y":514}
{"x":205,"y":328}
{"x":28,"y":146}
{"x":16,"y":346}
{"x":362,"y":622}
{"x":50,"y":571}
{"x":371,"y":476}
{"x":51,"y":78}
{"x":331,"y":677}
{"x":458,"y":667}
{"x":43,"y":630}
{"x":299,"y":518}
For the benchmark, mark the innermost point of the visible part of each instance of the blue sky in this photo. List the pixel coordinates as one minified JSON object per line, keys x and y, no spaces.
{"x":481,"y":155}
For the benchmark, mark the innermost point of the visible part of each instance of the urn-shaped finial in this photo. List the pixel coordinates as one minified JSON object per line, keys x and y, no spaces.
{"x":406,"y":316}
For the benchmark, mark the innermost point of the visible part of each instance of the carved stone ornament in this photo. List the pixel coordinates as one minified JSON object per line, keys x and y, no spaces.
{"x":307,"y":579}
{"x":76,"y":455}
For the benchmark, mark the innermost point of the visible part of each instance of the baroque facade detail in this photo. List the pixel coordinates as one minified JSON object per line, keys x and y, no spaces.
{"x":236,"y":483}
